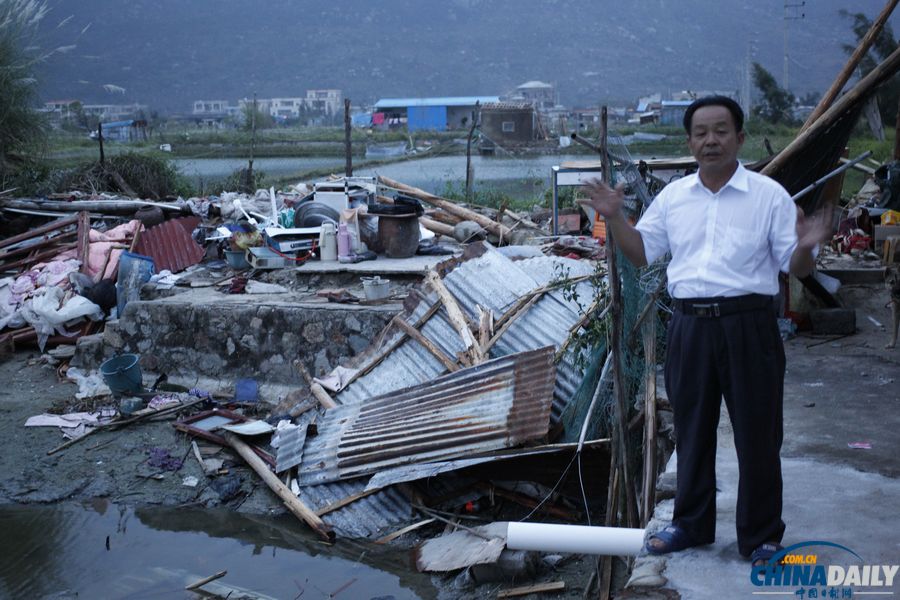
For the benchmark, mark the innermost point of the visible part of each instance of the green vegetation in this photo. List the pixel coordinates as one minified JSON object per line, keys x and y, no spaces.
{"x":776,"y":104}
{"x":21,"y":128}
{"x":146,"y":175}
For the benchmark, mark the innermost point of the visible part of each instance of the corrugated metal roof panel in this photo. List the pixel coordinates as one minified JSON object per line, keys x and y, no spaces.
{"x":438,"y":101}
{"x":493,"y":405}
{"x":366,"y":517}
{"x":170,"y":245}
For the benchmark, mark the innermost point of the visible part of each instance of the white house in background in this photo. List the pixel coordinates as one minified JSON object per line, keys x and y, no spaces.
{"x":329,"y":102}
{"x":537,"y":93}
{"x":114,"y":112}
{"x":212,"y":107}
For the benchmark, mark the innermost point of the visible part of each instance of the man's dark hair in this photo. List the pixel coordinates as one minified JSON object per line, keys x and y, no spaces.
{"x":733,"y":107}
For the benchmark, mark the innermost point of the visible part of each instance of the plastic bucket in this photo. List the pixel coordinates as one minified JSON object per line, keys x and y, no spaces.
{"x":236,"y":259}
{"x":123,"y":374}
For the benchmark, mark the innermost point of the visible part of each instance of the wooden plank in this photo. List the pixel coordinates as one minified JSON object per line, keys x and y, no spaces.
{"x":293,"y":503}
{"x":456,"y":316}
{"x":84,"y":240}
{"x":32,"y":233}
{"x":345,"y":501}
{"x":393,"y":536}
{"x":428,"y":344}
{"x":537,"y":588}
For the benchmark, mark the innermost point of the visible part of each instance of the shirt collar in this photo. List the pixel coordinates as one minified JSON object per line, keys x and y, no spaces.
{"x":739,"y":180}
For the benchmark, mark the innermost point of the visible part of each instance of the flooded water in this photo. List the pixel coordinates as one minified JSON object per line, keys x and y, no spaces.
{"x":521,"y":176}
{"x":208,"y":169}
{"x":102,"y":550}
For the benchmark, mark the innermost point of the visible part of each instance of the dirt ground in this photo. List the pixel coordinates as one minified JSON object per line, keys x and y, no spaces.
{"x":838,"y":391}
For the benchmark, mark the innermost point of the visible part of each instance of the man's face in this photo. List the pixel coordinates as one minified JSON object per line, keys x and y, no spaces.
{"x":713,"y":139}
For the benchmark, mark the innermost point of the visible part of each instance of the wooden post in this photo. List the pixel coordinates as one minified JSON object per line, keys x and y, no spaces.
{"x":348,"y":150}
{"x":844,"y":76}
{"x":100,"y":139}
{"x":621,"y":429}
{"x":292,"y":502}
{"x":648,"y":495}
{"x":470,"y":175}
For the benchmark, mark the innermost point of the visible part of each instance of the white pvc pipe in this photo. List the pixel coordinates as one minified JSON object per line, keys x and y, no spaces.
{"x":578,"y":539}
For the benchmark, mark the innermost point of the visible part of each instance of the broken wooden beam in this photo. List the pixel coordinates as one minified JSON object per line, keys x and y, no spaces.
{"x":293,"y":503}
{"x":317,"y":390}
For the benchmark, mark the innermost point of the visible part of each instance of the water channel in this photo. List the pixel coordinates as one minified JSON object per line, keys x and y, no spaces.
{"x":527,"y":177}
{"x":103,"y":550}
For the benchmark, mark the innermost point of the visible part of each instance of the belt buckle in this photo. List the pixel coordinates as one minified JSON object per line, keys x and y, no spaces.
{"x":707,"y":310}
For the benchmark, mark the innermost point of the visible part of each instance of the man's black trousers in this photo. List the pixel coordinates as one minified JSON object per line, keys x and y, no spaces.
{"x":738,"y":355}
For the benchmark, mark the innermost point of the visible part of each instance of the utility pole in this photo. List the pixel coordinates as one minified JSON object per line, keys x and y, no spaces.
{"x":348,"y":149}
{"x":792,"y":12}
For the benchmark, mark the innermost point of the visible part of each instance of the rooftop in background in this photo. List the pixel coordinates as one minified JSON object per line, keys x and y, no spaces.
{"x":534,"y":84}
{"x":440,"y":101}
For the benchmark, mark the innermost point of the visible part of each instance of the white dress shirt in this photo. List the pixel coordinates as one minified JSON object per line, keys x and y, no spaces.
{"x":728,"y":243}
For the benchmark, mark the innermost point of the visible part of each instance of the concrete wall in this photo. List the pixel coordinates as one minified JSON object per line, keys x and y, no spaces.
{"x":221,"y":337}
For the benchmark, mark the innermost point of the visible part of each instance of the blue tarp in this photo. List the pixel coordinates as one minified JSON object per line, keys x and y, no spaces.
{"x":432,"y":118}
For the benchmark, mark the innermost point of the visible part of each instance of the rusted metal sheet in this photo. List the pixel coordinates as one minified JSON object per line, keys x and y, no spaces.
{"x":497,"y":404}
{"x":170,"y":245}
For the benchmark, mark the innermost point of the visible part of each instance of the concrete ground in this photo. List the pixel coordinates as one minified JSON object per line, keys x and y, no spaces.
{"x":837,"y":392}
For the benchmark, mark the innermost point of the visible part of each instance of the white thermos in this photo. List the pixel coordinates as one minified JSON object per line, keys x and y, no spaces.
{"x":328,"y":242}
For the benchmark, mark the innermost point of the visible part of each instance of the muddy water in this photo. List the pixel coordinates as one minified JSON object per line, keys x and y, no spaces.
{"x":101,"y":550}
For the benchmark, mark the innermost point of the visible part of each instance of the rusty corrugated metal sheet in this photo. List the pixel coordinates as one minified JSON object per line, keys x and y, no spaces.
{"x":494,"y":405}
{"x":170,"y":245}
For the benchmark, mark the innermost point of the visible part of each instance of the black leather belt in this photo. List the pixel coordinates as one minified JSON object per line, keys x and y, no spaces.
{"x":720,"y":307}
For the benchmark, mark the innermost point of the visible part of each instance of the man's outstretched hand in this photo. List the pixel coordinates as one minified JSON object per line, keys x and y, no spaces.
{"x":605,"y":200}
{"x":812,"y":230}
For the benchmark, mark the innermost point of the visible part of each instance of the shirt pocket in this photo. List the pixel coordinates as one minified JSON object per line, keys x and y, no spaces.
{"x":743,"y":249}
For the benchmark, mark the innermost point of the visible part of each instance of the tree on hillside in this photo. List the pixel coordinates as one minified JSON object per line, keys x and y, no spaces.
{"x":21,"y":127}
{"x":889,"y":93}
{"x":776,"y":103}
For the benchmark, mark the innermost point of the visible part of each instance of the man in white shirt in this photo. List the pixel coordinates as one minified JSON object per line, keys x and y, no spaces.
{"x":730,"y":231}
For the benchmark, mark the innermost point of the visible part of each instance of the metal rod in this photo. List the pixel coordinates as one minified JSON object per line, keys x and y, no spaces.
{"x":828,"y":176}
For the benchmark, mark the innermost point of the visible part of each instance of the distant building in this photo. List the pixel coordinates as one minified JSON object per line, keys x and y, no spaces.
{"x":114,"y":112}
{"x":505,"y":122}
{"x":537,"y":93}
{"x":672,"y":112}
{"x":206,"y":107}
{"x":434,"y":114}
{"x":61,"y":110}
{"x":328,"y":102}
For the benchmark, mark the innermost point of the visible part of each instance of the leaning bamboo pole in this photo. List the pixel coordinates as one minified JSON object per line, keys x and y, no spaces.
{"x":884,"y":71}
{"x":854,"y":60}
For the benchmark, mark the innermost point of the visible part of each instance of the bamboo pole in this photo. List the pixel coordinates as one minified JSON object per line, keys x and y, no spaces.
{"x":620,"y":429}
{"x":292,"y":502}
{"x":854,"y":60}
{"x":648,"y":492}
{"x":884,"y":71}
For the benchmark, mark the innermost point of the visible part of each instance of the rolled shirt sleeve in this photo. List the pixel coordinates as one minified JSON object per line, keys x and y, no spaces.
{"x":783,"y":231}
{"x":652,"y":227}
